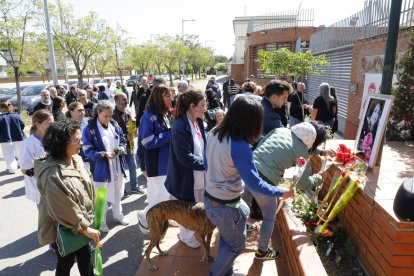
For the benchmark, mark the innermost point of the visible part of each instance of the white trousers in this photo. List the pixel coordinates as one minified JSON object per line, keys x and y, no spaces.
{"x":185,"y":234}
{"x":11,"y":150}
{"x":156,"y":193}
{"x":115,"y":192}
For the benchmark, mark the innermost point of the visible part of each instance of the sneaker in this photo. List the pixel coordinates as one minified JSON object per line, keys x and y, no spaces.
{"x":192,"y":244}
{"x":126,"y":195}
{"x":144,"y":229}
{"x":270,"y":254}
{"x":104,"y":228}
{"x":122,"y":220}
{"x":51,"y":249}
{"x":137,"y":191}
{"x":11,"y":171}
{"x":250,"y":226}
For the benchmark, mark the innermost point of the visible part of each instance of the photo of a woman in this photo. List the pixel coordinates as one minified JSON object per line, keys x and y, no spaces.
{"x":370,"y":127}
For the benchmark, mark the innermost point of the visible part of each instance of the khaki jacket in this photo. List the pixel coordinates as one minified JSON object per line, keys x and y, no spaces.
{"x":67,"y":196}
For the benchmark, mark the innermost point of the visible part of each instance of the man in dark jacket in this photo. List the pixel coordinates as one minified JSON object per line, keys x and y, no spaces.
{"x":143,"y":98}
{"x":275,"y":96}
{"x":298,"y":105}
{"x":45,"y":102}
{"x":72,"y":95}
{"x":122,"y":116}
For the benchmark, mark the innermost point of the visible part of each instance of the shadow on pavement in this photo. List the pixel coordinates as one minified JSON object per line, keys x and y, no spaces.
{"x":15,"y":193}
{"x":34,"y":266}
{"x":20,"y":247}
{"x":11,"y":180}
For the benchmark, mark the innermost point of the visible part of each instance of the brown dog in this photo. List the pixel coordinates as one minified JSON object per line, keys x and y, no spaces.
{"x":190,"y":215}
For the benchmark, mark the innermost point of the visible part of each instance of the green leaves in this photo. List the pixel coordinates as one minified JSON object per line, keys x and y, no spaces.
{"x":283,"y":62}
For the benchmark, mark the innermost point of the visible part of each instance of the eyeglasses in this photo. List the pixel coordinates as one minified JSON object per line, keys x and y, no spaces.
{"x":80,"y":110}
{"x":77,"y":141}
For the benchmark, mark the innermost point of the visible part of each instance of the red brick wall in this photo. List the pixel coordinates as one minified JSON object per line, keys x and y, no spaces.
{"x":286,"y":35}
{"x":384,"y":246}
{"x":362,"y":48}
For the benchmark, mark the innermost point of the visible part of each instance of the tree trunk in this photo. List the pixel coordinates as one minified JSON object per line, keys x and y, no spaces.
{"x":18,"y":92}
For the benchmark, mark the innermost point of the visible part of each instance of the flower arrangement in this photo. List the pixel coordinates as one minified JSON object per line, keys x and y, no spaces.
{"x":320,"y":216}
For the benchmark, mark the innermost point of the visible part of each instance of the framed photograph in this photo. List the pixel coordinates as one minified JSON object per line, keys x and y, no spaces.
{"x":372,"y":126}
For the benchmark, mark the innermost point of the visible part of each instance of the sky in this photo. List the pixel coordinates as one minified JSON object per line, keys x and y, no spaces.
{"x":213,"y":18}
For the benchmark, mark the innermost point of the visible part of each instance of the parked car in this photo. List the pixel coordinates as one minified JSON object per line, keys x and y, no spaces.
{"x":7,"y":93}
{"x":133,"y":79}
{"x":30,"y":96}
{"x":72,"y":82}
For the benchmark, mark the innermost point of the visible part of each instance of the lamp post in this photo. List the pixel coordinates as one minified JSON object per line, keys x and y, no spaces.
{"x":52,"y":61}
{"x":182,"y":39}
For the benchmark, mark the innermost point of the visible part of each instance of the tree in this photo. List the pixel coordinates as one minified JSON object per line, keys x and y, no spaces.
{"x":401,"y":124}
{"x":220,"y":59}
{"x":172,"y":50}
{"x":36,"y":57}
{"x":103,"y":62}
{"x":283,"y":62}
{"x":140,"y":57}
{"x":80,"y":38}
{"x":14,"y":23}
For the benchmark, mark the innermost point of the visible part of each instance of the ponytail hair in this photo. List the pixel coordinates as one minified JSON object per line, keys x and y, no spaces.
{"x":39,"y":117}
{"x":185,"y":99}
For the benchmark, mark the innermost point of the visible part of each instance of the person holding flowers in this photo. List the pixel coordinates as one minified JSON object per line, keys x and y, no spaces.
{"x":67,"y":198}
{"x":278,"y":151}
{"x":104,"y":143}
{"x":124,"y":119}
{"x":229,"y":164}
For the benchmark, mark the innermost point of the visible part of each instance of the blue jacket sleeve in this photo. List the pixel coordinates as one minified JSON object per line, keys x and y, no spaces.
{"x":150,"y":139}
{"x":140,"y":153}
{"x":88,"y":147}
{"x":182,"y":149}
{"x":242,"y":157}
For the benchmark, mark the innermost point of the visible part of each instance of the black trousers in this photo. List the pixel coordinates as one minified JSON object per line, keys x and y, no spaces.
{"x":83,"y":257}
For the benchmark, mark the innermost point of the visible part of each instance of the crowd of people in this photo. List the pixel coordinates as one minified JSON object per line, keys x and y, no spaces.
{"x":228,"y":149}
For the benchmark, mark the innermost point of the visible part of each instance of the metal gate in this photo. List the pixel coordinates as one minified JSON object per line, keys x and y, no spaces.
{"x":337,"y":75}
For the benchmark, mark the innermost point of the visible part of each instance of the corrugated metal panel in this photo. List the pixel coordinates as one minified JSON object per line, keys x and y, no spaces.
{"x":337,"y":75}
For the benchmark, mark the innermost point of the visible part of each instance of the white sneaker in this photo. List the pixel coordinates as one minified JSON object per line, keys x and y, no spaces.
{"x":104,"y":228}
{"x":144,"y":229}
{"x":122,"y":220}
{"x":192,"y":243}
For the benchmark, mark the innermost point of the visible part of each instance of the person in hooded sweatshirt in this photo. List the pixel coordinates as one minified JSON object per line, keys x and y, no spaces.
{"x":277,"y":152}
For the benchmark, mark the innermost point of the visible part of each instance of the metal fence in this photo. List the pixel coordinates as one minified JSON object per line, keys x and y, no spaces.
{"x":371,"y":21}
{"x":282,"y":19}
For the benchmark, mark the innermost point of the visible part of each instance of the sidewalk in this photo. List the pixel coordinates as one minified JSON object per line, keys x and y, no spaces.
{"x":182,"y":260}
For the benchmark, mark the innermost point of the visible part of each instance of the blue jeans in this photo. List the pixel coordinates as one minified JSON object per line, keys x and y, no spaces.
{"x":268,"y":205}
{"x":132,"y":167}
{"x":231,"y":223}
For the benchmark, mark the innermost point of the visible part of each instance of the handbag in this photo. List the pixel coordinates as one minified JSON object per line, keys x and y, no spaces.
{"x":68,"y":242}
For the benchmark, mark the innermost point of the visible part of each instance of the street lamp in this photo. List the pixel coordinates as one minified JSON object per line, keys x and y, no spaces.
{"x":182,"y":27}
{"x":182,"y":38}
